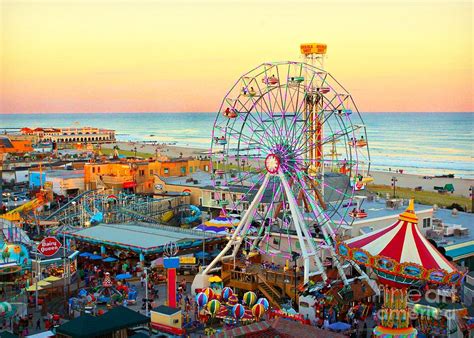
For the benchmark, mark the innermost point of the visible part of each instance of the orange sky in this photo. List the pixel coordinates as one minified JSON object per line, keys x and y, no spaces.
{"x":151,"y":56}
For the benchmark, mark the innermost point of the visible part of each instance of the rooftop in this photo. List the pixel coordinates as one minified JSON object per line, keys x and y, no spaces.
{"x":62,"y":173}
{"x":167,"y":310}
{"x":140,"y":237}
{"x":114,"y":320}
{"x":374,"y":209}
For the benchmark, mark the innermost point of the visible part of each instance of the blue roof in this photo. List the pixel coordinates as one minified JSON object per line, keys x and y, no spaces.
{"x":466,"y":250}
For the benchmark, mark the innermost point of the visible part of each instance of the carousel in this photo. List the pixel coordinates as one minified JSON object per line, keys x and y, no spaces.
{"x":402,"y":258}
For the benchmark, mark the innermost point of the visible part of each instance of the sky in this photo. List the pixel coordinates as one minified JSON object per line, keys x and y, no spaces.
{"x":173,"y":56}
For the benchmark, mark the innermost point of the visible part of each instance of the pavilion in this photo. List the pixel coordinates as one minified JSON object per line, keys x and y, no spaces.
{"x":142,"y":238}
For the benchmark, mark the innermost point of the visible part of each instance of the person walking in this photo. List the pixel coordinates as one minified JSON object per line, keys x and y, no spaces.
{"x":38,"y":324}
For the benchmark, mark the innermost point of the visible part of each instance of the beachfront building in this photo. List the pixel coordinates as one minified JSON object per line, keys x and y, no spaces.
{"x":14,"y":146}
{"x":72,"y":134}
{"x":63,"y":182}
{"x":202,"y":192}
{"x":138,"y":176}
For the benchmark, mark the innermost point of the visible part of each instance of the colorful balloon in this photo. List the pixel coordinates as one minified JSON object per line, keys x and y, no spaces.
{"x":201,"y":299}
{"x":232,"y":300}
{"x":226,"y":293}
{"x":238,"y":311}
{"x":209,"y":293}
{"x":213,"y":307}
{"x":250,"y":298}
{"x":264,"y":302}
{"x":258,"y":310}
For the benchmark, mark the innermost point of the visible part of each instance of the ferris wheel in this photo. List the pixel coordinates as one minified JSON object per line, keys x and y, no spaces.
{"x":290,"y":140}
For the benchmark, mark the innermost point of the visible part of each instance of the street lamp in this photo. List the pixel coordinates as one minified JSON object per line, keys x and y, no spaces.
{"x":294,"y":257}
{"x":394,"y":183}
{"x":135,"y":152}
{"x":471,"y":196}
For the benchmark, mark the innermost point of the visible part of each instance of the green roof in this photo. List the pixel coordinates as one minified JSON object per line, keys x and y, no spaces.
{"x":89,"y":326}
{"x":166,"y":310}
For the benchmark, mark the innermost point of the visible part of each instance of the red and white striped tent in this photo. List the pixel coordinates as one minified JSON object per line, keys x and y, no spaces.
{"x":401,"y":249}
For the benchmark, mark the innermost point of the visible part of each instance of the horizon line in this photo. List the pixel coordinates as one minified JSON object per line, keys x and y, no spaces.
{"x":212,"y":112}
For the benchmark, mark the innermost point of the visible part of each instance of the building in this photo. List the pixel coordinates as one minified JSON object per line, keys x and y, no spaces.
{"x":133,"y":176}
{"x":203,"y":193}
{"x":112,"y":324}
{"x":72,"y":134}
{"x":143,"y":239}
{"x":454,"y":231}
{"x":167,"y":319}
{"x":139,"y":176}
{"x":63,"y":182}
{"x":16,"y":146}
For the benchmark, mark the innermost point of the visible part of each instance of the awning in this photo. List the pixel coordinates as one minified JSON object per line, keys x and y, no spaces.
{"x":43,"y":335}
{"x":130,"y":184}
{"x":74,"y":255}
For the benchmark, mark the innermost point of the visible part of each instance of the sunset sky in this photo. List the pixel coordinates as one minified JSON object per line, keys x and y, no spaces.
{"x":174,"y":56}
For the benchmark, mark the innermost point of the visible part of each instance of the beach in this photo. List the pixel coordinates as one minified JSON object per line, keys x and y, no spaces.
{"x":461,"y":185}
{"x":168,"y":150}
{"x":405,"y":180}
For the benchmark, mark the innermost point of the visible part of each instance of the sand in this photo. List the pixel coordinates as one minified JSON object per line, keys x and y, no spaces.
{"x":461,"y":185}
{"x":170,"y":151}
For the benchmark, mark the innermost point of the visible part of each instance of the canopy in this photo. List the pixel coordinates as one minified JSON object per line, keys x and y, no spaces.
{"x":339,"y":326}
{"x":52,"y":279}
{"x":95,"y":257}
{"x":34,"y":287}
{"x":109,"y":259}
{"x":401,"y":249}
{"x":85,"y":254}
{"x":123,"y":276}
{"x":219,"y":225}
{"x":43,"y":283}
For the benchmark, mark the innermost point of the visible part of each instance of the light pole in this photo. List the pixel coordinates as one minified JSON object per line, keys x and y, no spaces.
{"x":294,"y":256}
{"x":394,"y":184}
{"x":471,"y":196}
{"x":146,"y":290}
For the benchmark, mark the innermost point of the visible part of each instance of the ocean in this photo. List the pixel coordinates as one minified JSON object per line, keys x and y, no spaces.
{"x":418,"y":143}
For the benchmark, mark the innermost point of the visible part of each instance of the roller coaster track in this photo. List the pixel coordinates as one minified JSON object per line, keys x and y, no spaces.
{"x":139,"y":216}
{"x":64,"y":208}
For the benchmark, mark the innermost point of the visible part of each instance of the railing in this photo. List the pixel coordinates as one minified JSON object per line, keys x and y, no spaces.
{"x":281,"y":278}
{"x":272,"y":289}
{"x":244,"y":277}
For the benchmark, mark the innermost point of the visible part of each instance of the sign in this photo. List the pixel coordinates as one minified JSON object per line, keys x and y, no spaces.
{"x":159,"y":186}
{"x":187,"y":260}
{"x":171,"y":262}
{"x":49,"y":246}
{"x":313,"y":48}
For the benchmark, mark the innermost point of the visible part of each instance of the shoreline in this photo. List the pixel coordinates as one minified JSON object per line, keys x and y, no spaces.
{"x":405,"y":180}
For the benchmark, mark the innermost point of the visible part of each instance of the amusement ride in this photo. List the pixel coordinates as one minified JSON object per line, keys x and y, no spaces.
{"x":289,"y":137}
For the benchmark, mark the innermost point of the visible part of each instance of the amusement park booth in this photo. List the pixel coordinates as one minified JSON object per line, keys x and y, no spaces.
{"x":54,"y":265}
{"x":167,"y":319}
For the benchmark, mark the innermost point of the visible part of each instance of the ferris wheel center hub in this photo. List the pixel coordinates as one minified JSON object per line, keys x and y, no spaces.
{"x":272,"y":163}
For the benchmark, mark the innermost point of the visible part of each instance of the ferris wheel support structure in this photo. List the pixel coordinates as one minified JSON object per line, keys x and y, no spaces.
{"x":242,"y":228}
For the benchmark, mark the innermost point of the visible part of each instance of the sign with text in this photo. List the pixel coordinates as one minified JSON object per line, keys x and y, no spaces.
{"x":313,"y":48}
{"x":49,"y":246}
{"x":187,"y":260}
